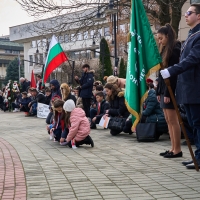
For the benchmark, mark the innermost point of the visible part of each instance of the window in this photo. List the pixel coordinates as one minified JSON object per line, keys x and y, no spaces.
{"x":8,"y":51}
{"x":91,"y":33}
{"x":31,"y":60}
{"x":85,"y":35}
{"x":106,"y":31}
{"x":36,"y":59}
{"x":122,"y":27}
{"x":15,"y":52}
{"x":79,"y":36}
{"x":67,"y":38}
{"x":0,"y":64}
{"x":61,"y":39}
{"x":41,"y":58}
{"x":73,"y":38}
{"x":33,"y":44}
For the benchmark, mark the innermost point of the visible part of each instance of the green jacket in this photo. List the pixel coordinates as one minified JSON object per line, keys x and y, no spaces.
{"x":154,"y":113}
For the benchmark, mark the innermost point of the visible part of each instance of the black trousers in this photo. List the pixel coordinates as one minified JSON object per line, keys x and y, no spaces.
{"x":86,"y":106}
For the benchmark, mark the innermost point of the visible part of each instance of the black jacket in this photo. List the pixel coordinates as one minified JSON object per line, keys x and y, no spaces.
{"x":1,"y":99}
{"x":154,"y":113}
{"x":188,"y":70}
{"x":118,"y":107}
{"x":24,"y":86}
{"x":71,"y":96}
{"x":103,"y":107}
{"x":174,"y":59}
{"x":86,"y":83}
{"x":40,"y":98}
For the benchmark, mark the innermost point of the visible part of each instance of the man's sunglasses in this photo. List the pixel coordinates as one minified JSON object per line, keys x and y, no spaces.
{"x":188,"y":13}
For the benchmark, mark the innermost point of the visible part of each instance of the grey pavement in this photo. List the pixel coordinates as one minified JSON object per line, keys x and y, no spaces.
{"x":116,"y":168}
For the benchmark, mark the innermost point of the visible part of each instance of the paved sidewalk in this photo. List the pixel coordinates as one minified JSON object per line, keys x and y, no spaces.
{"x":116,"y":168}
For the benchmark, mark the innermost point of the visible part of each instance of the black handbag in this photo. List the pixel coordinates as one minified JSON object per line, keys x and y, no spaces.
{"x":146,"y":132}
{"x":116,"y":123}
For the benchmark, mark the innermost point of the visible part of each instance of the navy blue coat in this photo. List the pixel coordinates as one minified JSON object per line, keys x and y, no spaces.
{"x":188,"y":70}
{"x":56,"y":91}
{"x":86,"y":83}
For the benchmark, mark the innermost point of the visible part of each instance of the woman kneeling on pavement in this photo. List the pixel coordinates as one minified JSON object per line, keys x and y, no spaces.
{"x":117,"y":104}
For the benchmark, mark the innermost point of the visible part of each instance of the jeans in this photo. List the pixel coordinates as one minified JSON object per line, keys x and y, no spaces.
{"x":34,"y":109}
{"x":14,"y":105}
{"x":93,"y":112}
{"x":193,"y":115}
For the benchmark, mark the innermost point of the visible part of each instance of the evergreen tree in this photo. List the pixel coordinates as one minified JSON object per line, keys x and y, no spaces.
{"x":12,"y":71}
{"x":105,"y":61}
{"x":122,"y":69}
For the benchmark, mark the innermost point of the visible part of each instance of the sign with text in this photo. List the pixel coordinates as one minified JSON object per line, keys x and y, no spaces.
{"x":42,"y":110}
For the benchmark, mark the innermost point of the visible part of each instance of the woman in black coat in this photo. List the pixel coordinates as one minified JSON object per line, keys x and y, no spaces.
{"x":117,"y":104}
{"x":170,"y":53}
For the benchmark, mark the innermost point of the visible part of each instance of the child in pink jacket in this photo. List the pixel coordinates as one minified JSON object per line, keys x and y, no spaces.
{"x":77,"y":124}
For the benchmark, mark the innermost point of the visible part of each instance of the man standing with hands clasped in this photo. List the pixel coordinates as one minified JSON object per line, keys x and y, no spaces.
{"x":188,"y":82}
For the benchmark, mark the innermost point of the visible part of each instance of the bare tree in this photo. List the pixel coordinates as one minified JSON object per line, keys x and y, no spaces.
{"x":165,"y":11}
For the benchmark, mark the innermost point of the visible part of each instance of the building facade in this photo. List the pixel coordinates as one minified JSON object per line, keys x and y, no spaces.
{"x":8,"y":52}
{"x":77,"y":43}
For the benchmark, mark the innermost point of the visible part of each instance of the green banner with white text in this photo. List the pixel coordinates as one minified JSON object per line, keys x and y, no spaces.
{"x":143,"y":59}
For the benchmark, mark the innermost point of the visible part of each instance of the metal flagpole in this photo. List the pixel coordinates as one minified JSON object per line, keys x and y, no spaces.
{"x":19,"y":63}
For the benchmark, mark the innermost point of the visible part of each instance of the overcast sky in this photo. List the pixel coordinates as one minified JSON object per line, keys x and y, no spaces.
{"x":11,"y":14}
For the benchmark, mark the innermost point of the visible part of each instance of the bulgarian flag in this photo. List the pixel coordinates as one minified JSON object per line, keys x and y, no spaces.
{"x":143,"y":59}
{"x":55,"y":58}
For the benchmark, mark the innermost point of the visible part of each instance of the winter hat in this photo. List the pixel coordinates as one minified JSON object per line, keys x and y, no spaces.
{"x":149,"y":80}
{"x":111,"y":79}
{"x":69,"y":105}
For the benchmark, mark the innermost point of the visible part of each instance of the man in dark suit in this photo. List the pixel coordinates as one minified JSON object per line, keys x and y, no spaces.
{"x":188,"y":82}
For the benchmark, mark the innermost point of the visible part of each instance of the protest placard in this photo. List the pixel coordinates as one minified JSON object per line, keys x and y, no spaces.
{"x":42,"y":110}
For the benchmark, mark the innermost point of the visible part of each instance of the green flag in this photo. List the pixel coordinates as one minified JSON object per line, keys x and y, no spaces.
{"x":143,"y":59}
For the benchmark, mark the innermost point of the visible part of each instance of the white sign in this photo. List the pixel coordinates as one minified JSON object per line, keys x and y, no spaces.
{"x":42,"y":110}
{"x":104,"y":122}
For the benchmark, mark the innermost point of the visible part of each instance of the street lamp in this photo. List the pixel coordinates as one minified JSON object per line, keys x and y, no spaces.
{"x":112,"y":11}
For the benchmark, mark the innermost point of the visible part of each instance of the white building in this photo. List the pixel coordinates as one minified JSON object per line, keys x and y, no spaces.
{"x":35,"y":40}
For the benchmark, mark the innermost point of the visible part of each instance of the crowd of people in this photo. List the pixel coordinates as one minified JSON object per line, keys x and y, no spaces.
{"x":75,"y":111}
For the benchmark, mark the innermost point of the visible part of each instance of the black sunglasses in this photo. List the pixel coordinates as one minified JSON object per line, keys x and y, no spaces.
{"x":188,"y":13}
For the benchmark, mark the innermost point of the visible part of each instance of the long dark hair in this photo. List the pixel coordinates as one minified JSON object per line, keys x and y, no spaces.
{"x":56,"y":104}
{"x":166,"y":51}
{"x":67,"y":119}
{"x":115,"y":90}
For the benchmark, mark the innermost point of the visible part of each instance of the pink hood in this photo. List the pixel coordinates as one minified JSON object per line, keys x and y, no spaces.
{"x":80,"y":126}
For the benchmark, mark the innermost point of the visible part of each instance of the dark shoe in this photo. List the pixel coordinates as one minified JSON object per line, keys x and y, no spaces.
{"x":164,"y":153}
{"x":172,"y":155}
{"x":187,"y":162}
{"x":191,"y":166}
{"x":185,"y":143}
{"x":93,"y":126}
{"x":91,"y":141}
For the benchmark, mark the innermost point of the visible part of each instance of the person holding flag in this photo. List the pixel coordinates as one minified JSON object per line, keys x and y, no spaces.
{"x":170,"y":51}
{"x":188,"y":82}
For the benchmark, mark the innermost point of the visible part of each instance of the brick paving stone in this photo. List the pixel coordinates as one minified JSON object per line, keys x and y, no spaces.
{"x":116,"y":168}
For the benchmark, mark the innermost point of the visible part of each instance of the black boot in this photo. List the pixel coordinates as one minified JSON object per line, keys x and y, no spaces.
{"x":93,"y":126}
{"x":88,"y":140}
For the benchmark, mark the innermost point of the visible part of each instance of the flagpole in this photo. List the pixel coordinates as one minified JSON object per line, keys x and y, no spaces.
{"x":167,"y":82}
{"x":19,"y":63}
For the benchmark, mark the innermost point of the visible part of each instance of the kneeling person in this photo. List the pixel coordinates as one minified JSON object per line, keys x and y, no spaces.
{"x":77,"y":125}
{"x":99,"y":110}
